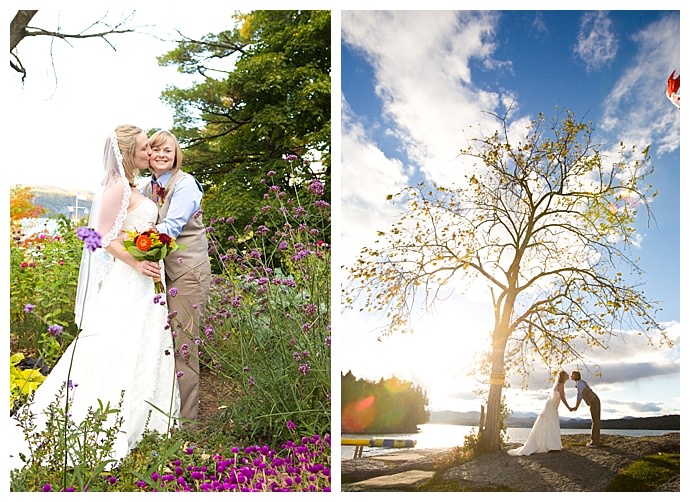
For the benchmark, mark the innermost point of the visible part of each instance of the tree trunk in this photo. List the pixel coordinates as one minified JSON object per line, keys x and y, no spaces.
{"x":491,"y":438}
{"x":18,"y":26}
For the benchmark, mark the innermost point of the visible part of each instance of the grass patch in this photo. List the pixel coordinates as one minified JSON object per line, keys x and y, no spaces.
{"x":438,"y":485}
{"x":646,"y":474}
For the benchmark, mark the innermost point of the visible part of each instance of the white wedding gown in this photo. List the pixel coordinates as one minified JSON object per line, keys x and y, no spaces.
{"x":123,"y":346}
{"x":546,"y":431}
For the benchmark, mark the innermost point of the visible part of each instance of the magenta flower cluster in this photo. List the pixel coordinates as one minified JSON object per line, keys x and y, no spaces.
{"x":302,"y":466}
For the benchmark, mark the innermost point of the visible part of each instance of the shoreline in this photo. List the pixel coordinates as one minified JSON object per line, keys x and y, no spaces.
{"x":574,"y":468}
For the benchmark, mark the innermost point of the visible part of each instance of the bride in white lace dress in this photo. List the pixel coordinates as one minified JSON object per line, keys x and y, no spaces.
{"x":123,"y":347}
{"x":545,"y":435}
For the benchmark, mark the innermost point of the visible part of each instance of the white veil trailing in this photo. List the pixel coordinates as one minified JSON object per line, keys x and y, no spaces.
{"x":106,"y":218}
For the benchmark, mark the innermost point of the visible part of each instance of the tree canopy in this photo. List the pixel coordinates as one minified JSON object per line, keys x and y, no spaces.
{"x":548,"y":222}
{"x":263,"y":105}
{"x":387,"y":406}
{"x":265,"y":96}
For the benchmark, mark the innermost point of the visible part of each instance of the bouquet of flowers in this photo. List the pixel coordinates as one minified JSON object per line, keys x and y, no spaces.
{"x":150,"y":245}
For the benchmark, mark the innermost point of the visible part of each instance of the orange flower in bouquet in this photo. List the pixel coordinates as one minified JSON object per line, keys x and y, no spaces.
{"x":150,"y":245}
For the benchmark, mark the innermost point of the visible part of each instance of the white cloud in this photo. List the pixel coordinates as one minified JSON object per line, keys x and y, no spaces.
{"x":367,"y":178}
{"x":596,"y":43}
{"x":653,"y":120}
{"x":422,"y":65}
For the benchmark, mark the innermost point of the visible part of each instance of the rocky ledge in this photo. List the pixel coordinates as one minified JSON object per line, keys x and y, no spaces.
{"x":575,"y":468}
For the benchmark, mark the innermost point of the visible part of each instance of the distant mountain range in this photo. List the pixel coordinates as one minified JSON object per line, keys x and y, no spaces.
{"x":60,"y":201}
{"x":471,"y":418}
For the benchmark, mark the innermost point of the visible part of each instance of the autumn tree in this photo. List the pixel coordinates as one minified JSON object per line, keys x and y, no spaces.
{"x":22,"y":206}
{"x":547,"y":222}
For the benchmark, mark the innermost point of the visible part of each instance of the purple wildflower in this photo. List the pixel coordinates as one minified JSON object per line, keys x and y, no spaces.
{"x":310,"y":309}
{"x":55,"y":330}
{"x":172,"y":292}
{"x":29,"y":308}
{"x":316,"y":187}
{"x":90,"y":237}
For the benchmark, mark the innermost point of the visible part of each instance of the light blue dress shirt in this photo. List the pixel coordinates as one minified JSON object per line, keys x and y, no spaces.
{"x":580,"y":386}
{"x":186,"y":200}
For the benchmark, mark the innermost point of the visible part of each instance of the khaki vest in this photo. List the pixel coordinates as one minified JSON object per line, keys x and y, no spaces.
{"x":588,"y":395}
{"x":192,"y":236}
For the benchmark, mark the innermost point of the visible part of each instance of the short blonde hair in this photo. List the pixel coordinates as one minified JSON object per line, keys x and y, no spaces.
{"x":160,"y":137}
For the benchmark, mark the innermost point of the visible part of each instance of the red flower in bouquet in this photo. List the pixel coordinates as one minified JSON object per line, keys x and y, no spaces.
{"x":150,"y":245}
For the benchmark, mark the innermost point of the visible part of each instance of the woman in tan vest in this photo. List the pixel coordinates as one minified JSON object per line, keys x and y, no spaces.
{"x":584,"y":392}
{"x":188,"y":270}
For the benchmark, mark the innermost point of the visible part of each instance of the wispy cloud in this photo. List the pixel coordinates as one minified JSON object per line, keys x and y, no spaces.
{"x":637,"y":109}
{"x":596,"y":43}
{"x":421,"y":62}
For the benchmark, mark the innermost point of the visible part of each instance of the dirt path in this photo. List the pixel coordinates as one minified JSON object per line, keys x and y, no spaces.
{"x":213,"y":394}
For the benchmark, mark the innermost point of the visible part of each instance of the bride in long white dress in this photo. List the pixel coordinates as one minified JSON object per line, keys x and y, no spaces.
{"x":545,"y":435}
{"x":123,"y":350}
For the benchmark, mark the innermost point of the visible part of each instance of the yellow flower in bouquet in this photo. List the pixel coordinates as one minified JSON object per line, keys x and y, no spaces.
{"x":150,"y":245}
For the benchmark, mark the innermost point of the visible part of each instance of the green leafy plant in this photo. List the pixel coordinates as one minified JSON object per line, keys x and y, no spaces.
{"x":268,"y":322}
{"x":23,"y":381}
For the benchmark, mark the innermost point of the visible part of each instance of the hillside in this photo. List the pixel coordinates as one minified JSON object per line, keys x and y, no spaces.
{"x":58,"y":201}
{"x":664,"y":422}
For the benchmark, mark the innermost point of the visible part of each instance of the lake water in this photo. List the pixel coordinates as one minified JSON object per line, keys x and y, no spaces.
{"x":447,"y":436}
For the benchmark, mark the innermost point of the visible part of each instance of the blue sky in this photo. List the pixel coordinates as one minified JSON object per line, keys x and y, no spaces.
{"x":412,"y":81}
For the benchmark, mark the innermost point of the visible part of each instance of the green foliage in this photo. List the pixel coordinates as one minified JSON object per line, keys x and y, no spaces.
{"x":390,"y":405}
{"x":268,"y":319}
{"x":271,"y":104}
{"x":64,"y":453}
{"x":23,"y":381}
{"x":475,"y":443}
{"x":43,"y":272}
{"x":271,"y":98}
{"x":646,"y":474}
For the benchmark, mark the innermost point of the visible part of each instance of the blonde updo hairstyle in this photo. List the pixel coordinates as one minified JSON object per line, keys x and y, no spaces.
{"x":127,"y":142}
{"x":158,"y":138}
{"x":562,"y":376}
